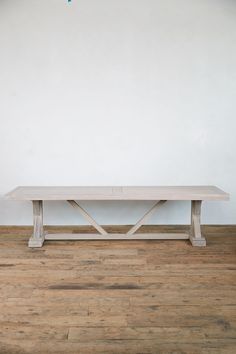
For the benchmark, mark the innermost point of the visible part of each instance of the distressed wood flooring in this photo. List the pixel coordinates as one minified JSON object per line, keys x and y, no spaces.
{"x":118,"y":296}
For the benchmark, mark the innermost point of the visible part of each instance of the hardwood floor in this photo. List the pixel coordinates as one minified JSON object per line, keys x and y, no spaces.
{"x":118,"y":296}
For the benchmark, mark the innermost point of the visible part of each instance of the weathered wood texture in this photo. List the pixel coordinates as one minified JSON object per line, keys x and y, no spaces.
{"x":196,"y":237}
{"x":37,"y":238}
{"x":134,"y":297}
{"x":119,"y":193}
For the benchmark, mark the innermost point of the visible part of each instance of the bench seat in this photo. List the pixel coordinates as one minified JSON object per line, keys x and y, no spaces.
{"x":119,"y":193}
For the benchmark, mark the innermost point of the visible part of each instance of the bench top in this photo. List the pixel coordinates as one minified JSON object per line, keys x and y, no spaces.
{"x":119,"y":193}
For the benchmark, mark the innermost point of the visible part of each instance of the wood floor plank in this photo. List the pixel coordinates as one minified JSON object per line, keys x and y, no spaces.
{"x":117,"y":347}
{"x":163,"y":334}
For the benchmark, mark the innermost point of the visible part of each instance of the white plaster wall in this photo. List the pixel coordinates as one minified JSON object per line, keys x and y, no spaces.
{"x":117,"y":92}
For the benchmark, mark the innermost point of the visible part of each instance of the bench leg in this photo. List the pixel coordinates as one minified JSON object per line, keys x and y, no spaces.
{"x":37,"y":238}
{"x":196,"y":237}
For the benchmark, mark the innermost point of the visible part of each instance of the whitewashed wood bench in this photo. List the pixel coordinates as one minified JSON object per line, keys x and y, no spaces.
{"x":195,"y":194}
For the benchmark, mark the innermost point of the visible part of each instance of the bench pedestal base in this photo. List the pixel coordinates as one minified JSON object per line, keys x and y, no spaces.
{"x":194,"y":236}
{"x":36,"y":242}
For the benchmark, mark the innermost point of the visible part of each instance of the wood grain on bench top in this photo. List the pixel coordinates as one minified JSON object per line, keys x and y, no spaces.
{"x":118,"y":193}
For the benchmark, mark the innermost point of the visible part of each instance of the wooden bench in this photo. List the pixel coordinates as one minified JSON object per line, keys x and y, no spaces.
{"x":160,"y":195}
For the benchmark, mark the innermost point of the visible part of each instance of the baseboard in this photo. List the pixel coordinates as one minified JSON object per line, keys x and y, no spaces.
{"x":27,"y":230}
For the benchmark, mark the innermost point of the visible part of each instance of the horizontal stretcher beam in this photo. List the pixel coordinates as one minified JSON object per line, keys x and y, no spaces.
{"x":140,"y":236}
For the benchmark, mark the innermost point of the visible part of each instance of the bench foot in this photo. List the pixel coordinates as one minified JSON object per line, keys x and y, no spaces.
{"x":35,"y":242}
{"x":197,"y":242}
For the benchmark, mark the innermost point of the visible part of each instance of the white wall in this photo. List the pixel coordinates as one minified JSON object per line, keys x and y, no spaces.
{"x":118,"y":92}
